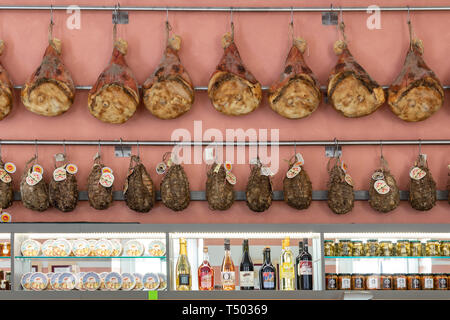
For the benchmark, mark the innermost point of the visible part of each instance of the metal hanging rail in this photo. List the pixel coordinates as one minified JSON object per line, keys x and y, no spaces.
{"x":223,"y":9}
{"x":225,"y":143}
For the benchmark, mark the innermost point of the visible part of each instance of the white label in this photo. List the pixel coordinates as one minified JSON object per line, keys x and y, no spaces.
{"x":372,"y":283}
{"x":209,"y":154}
{"x":346,"y":284}
{"x":305,"y":268}
{"x":59,"y":174}
{"x":106,"y":180}
{"x":416,"y":173}
{"x":33,"y":178}
{"x":247,"y":279}
{"x":429,"y":283}
{"x":300,"y":160}
{"x":381,"y":187}
{"x":292,"y":172}
{"x":228,"y":278}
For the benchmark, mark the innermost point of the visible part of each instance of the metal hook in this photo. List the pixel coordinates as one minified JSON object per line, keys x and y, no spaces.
{"x":336,"y":147}
{"x":420,"y":147}
{"x":331,"y":7}
{"x":51,"y":15}
{"x":121,"y":146}
{"x":35,"y":148}
{"x":137,"y":145}
{"x":292,"y":15}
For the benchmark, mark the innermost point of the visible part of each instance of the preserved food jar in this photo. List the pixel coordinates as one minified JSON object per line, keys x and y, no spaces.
{"x":440,"y":281}
{"x":403,"y":248}
{"x":433,"y":248}
{"x":386,"y":282}
{"x":386,"y":248}
{"x":445,"y":248}
{"x":372,"y":281}
{"x":328,"y":247}
{"x":345,"y":281}
{"x":427,"y":281}
{"x":414,"y":281}
{"x":358,"y":249}
{"x":345,"y":248}
{"x":400,"y":281}
{"x":358,"y":281}
{"x":416,"y":248}
{"x":372,"y":248}
{"x":331,"y":280}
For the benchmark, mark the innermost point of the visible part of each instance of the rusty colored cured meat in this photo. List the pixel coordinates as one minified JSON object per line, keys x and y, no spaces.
{"x":297,"y":93}
{"x":139,"y":190}
{"x":6,"y":89}
{"x":99,"y":197}
{"x":416,"y":93}
{"x":219,"y":192}
{"x":259,"y":190}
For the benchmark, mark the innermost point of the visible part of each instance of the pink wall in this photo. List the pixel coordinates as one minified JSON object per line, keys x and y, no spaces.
{"x":263,"y":42}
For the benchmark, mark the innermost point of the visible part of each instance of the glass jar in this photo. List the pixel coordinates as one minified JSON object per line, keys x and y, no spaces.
{"x":433,"y":248}
{"x":416,"y":248}
{"x":386,"y":248}
{"x":358,"y":249}
{"x":345,"y":281}
{"x":386,"y":282}
{"x":372,"y":248}
{"x":414,"y":281}
{"x":403,"y":248}
{"x":372,"y":281}
{"x":328,"y":246}
{"x":345,"y":248}
{"x":358,"y":281}
{"x":331,"y":280}
{"x":440,"y":281}
{"x":428,"y":281}
{"x":445,"y":248}
{"x":400,"y":281}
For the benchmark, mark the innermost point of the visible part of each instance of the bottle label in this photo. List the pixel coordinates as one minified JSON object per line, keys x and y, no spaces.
{"x":429,"y":283}
{"x":401,"y":283}
{"x":184,"y":279}
{"x":386,"y":284}
{"x":206,"y":280}
{"x":345,"y":284}
{"x":268,"y":280}
{"x":442,"y":283}
{"x":287,"y":271}
{"x":305,"y":268}
{"x":247,"y":279}
{"x":415,"y":284}
{"x":227,"y":278}
{"x":332,"y":284}
{"x":372,"y":283}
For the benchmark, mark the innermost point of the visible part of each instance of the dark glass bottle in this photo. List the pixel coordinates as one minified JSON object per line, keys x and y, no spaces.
{"x":267,"y":274}
{"x":246,"y":274}
{"x":304,"y":267}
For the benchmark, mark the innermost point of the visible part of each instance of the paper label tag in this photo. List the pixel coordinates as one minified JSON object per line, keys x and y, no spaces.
{"x":254,"y":161}
{"x":6,"y":217}
{"x":416,"y":173}
{"x":378,"y":175}
{"x":349,"y":179}
{"x":293,"y":172}
{"x":381,"y":187}
{"x":107,"y":170}
{"x":33,"y":178}
{"x":228,"y":165}
{"x":38,"y":168}
{"x":344,"y":166}
{"x":60,"y":157}
{"x":161,"y":168}
{"x":217,"y":168}
{"x":107,"y":179}
{"x":231,"y":178}
{"x":424,"y":156}
{"x":10,"y":167}
{"x":71,"y":168}
{"x":300,"y":160}
{"x":209,"y":154}
{"x":265,"y":171}
{"x":59,"y":174}
{"x":4,"y":176}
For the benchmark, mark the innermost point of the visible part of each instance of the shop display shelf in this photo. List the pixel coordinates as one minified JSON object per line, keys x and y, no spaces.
{"x":386,"y":257}
{"x":87,"y":258}
{"x":8,"y":257}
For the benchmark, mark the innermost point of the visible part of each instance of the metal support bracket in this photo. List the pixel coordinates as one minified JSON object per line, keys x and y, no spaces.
{"x":329,"y":18}
{"x":122,"y":151}
{"x":330,"y":151}
{"x":120,"y":17}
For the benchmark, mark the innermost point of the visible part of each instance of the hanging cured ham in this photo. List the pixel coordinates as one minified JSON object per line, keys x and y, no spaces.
{"x":6,"y":89}
{"x":258,"y":193}
{"x":297,"y":93}
{"x":219,"y":191}
{"x":168,"y":92}
{"x":139,"y":190}
{"x":351,"y":90}
{"x":422,"y":188}
{"x":33,"y":188}
{"x":63,"y":188}
{"x":416,"y":93}
{"x":297,"y":186}
{"x":100,"y":185}
{"x":341,"y":198}
{"x":233,"y":90}
{"x":115,"y":96}
{"x":6,"y":189}
{"x":175,"y":192}
{"x":384,"y":195}
{"x":50,"y":91}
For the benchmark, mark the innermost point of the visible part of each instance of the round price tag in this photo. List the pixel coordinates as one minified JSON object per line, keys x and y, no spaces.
{"x":344,"y":166}
{"x":300,"y":160}
{"x":107,"y":170}
{"x":4,"y":176}
{"x":33,"y":178}
{"x":349,"y":179}
{"x":59,"y":174}
{"x":71,"y":168}
{"x":228,"y":166}
{"x":10,"y":167}
{"x":231,"y":178}
{"x":6,"y":217}
{"x":38,"y":168}
{"x":378,"y":175}
{"x":107,"y":180}
{"x":161,"y":168}
{"x":293,"y":172}
{"x":381,"y":187}
{"x":417,"y":173}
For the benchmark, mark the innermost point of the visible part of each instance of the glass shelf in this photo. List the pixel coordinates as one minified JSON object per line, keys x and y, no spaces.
{"x":5,"y":257}
{"x":385,"y":257}
{"x":89,"y":257}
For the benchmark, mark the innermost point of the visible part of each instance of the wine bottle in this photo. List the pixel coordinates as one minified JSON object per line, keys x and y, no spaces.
{"x":227,"y":270}
{"x":287,"y":267}
{"x":304,"y":269}
{"x":246,"y":274}
{"x":267,"y":273}
{"x":297,"y":265}
{"x":183,"y":269}
{"x":205,"y":273}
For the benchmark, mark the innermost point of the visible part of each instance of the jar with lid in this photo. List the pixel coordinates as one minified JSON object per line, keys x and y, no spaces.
{"x":345,"y":281}
{"x":386,"y":248}
{"x":372,"y":281}
{"x":345,"y":248}
{"x":433,"y":247}
{"x":414,"y":282}
{"x":400,"y":281}
{"x":403,"y":248}
{"x":440,"y":281}
{"x":328,"y":246}
{"x":358,"y":249}
{"x":416,"y":248}
{"x":445,"y":248}
{"x":372,"y":248}
{"x":427,"y":281}
{"x":386,"y":282}
{"x":358,"y":281}
{"x":331,"y":280}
